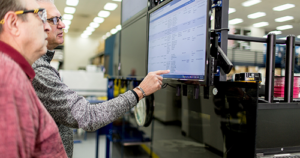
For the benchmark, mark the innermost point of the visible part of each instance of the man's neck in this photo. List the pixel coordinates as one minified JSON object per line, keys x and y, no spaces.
{"x":17,"y":46}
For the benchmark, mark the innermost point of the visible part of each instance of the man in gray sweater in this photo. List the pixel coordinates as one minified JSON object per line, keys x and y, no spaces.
{"x":68,"y":109}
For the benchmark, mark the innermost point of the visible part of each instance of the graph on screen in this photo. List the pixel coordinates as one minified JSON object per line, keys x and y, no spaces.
{"x":177,"y":39}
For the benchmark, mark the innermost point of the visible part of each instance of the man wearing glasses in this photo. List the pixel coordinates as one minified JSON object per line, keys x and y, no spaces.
{"x":26,"y":129}
{"x":67,"y":108}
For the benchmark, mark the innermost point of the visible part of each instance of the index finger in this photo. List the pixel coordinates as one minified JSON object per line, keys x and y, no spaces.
{"x":161,"y":72}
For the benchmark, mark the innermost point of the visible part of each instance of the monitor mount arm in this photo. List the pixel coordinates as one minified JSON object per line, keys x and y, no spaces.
{"x":221,"y":58}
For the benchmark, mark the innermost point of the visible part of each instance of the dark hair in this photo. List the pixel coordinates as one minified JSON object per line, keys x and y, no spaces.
{"x":10,"y":5}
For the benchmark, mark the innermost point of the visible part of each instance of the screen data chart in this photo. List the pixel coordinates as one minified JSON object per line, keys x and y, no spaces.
{"x":132,"y":7}
{"x":177,"y":39}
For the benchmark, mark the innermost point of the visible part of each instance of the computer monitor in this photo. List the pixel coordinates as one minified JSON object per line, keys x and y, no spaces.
{"x":278,"y":128}
{"x":178,"y":39}
{"x":133,"y":8}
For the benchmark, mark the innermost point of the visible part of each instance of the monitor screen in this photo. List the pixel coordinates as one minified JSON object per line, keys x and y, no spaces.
{"x":178,"y":39}
{"x":277,"y":129}
{"x":132,"y":7}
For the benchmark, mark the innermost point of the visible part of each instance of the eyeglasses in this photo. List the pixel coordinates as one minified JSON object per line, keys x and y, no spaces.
{"x":42,"y":13}
{"x":55,"y":20}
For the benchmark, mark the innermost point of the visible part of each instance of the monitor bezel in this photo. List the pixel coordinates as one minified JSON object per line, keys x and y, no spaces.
{"x":207,"y":51}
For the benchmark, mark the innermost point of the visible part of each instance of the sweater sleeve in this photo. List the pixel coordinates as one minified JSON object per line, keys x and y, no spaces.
{"x":72,"y":110}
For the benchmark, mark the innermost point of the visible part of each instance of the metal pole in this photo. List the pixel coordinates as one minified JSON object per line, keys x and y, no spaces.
{"x":224,"y":33}
{"x":270,"y":66}
{"x":152,"y":131}
{"x":289,"y":68}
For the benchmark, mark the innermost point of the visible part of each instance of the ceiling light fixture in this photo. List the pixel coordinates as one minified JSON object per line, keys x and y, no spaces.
{"x":276,"y":32}
{"x":107,"y":34}
{"x":98,"y":20}
{"x":231,"y":10}
{"x":87,"y":33}
{"x":235,"y":21}
{"x":298,"y":36}
{"x":285,"y":18}
{"x":67,"y":22}
{"x":67,"y":17}
{"x":84,"y":36}
{"x":90,"y":29}
{"x":72,"y":2}
{"x":110,"y":6}
{"x":250,"y":3}
{"x":256,"y":15}
{"x":284,"y":27}
{"x":113,"y":31}
{"x":70,"y":10}
{"x":261,"y":24}
{"x":103,"y":14}
{"x":94,"y":25}
{"x":284,"y":7}
{"x":119,"y":27}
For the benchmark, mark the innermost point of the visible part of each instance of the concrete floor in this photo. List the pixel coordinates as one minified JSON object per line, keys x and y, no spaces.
{"x":168,"y":143}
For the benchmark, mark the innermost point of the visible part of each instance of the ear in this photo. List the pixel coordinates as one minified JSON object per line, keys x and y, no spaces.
{"x":12,"y":23}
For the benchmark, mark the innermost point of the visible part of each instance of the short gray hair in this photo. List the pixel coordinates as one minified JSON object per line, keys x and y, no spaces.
{"x":10,"y":5}
{"x":52,"y":1}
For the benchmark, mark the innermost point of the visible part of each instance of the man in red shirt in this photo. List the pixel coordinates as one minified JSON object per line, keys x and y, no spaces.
{"x":26,"y":128}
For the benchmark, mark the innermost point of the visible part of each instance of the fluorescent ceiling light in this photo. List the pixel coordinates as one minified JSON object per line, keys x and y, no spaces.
{"x":284,"y":7}
{"x":104,"y":37}
{"x":87,"y":33}
{"x":67,"y":17}
{"x":256,"y":15}
{"x":284,"y":27}
{"x":98,"y":20}
{"x":67,"y":27}
{"x":107,"y":34}
{"x":72,"y":2}
{"x":235,"y":21}
{"x":250,"y":3}
{"x":67,"y":22}
{"x":70,"y":10}
{"x":84,"y":36}
{"x":276,"y":32}
{"x":298,"y":36}
{"x":90,"y":29}
{"x":285,"y":18}
{"x":110,"y":6}
{"x":113,"y":31}
{"x":94,"y":25}
{"x":261,"y":24}
{"x":231,"y":10}
{"x":104,"y":14}
{"x":119,"y":27}
{"x":117,"y":0}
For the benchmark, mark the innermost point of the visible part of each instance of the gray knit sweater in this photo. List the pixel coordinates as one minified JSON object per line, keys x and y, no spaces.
{"x":70,"y":110}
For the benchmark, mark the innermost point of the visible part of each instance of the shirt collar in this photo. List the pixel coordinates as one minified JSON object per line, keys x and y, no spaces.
{"x":49,"y":55}
{"x":18,"y":58}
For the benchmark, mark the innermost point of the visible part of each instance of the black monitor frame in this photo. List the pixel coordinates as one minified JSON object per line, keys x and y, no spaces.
{"x":207,"y":49}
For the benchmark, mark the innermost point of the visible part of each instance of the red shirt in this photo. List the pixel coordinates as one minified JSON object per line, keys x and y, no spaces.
{"x":26,"y":128}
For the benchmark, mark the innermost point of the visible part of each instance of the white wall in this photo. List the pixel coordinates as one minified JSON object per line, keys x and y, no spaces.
{"x":257,"y":32}
{"x":78,"y":51}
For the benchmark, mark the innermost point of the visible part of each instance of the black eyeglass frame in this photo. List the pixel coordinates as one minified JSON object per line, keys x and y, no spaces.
{"x":43,"y":16}
{"x":55,"y":20}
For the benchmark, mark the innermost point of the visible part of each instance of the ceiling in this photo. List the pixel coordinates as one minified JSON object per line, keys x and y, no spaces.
{"x":87,"y":10}
{"x":267,"y":7}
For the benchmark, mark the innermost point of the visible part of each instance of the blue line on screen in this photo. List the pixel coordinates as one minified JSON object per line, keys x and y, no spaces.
{"x":179,"y":7}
